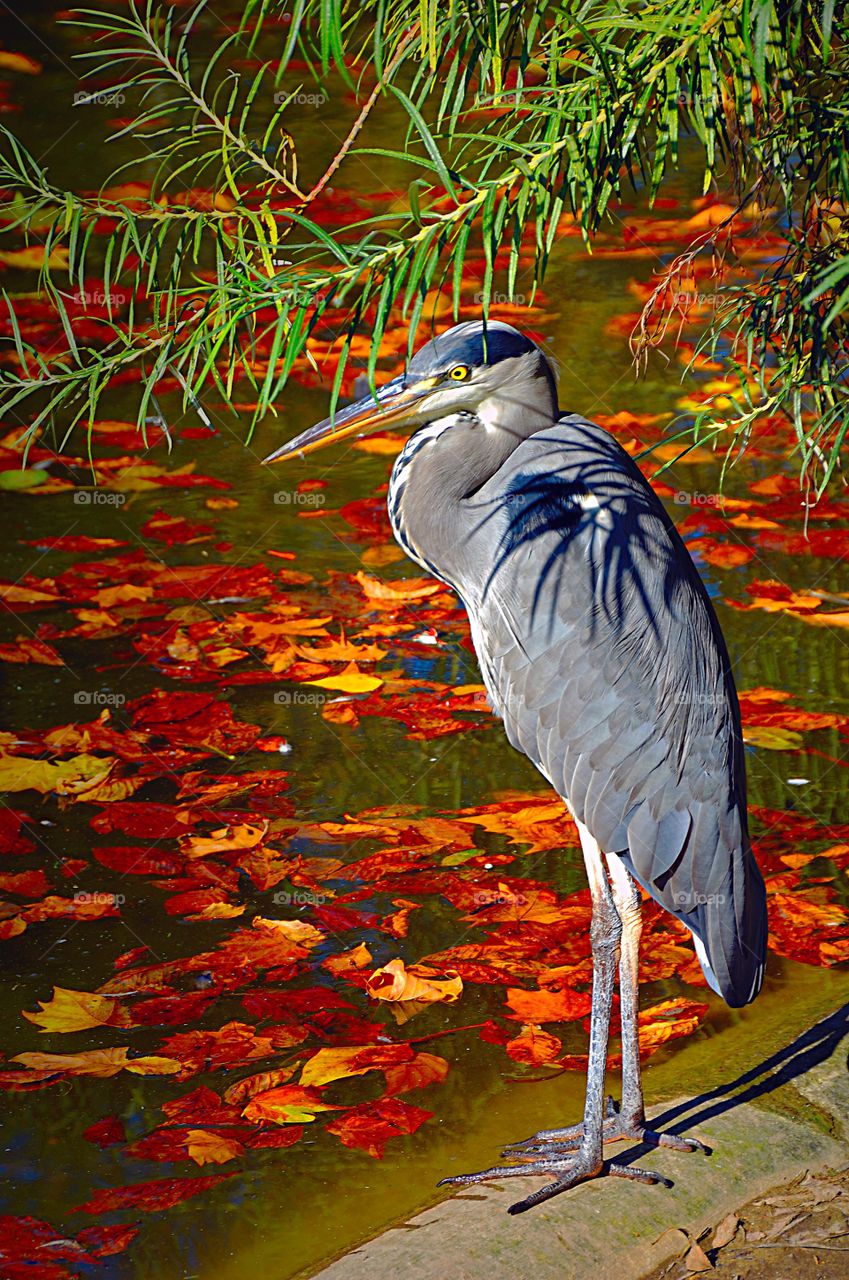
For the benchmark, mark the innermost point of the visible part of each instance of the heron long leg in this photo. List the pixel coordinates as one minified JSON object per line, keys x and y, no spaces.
{"x":572,"y":1167}
{"x":605,"y":936}
{"x":626,"y":896}
{"x":628,"y":1122}
{"x":631,"y":1121}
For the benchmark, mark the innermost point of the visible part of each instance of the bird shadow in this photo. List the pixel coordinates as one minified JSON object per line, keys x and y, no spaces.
{"x":812,"y":1047}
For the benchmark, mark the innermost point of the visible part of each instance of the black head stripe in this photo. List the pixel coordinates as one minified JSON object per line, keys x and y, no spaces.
{"x":470,"y":344}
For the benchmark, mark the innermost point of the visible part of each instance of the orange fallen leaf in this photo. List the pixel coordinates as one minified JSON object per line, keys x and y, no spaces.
{"x":224,"y":840}
{"x":404,"y":590}
{"x":804,"y":913}
{"x":533,"y":1046}
{"x":288,"y":1104}
{"x":838,"y":618}
{"x":534,"y":1007}
{"x":341,"y":651}
{"x":385,"y":445}
{"x":13,"y":593}
{"x":359,"y":957}
{"x":300,"y":932}
{"x":262,"y":1082}
{"x":678,"y":451}
{"x":748,"y":521}
{"x":30,"y":649}
{"x":834,"y":952}
{"x":725,"y":555}
{"x":711,"y":216}
{"x":422,"y":1070}
{"x":224,"y":656}
{"x":395,"y":982}
{"x":668,"y":1021}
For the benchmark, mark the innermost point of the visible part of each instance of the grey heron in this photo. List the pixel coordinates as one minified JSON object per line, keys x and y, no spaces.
{"x":602,"y":654}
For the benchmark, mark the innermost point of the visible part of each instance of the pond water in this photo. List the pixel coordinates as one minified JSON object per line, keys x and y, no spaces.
{"x":288,"y":1209}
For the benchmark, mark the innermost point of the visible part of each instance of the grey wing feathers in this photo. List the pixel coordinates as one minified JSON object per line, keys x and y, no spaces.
{"x":602,"y":654}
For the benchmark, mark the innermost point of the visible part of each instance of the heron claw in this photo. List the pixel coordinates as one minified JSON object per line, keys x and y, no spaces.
{"x":568,"y":1172}
{"x":550,"y":1142}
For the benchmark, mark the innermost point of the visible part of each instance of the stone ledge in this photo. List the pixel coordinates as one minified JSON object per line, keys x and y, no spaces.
{"x":611,"y":1229}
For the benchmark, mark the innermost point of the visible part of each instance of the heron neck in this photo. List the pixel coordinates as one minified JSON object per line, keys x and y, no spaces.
{"x":440,"y":467}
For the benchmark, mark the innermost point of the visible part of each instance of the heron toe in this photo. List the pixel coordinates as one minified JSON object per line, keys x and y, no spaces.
{"x":553,"y":1142}
{"x":568,"y":1172}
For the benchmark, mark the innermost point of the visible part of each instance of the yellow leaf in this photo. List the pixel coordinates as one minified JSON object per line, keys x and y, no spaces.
{"x":223,"y":657}
{"x":18,"y":773}
{"x":386,"y":553}
{"x":105,"y":789}
{"x":771,"y":737}
{"x":12,"y":593}
{"x":219,"y":911}
{"x":32,"y":258}
{"x":677,"y":451}
{"x":281,"y":659}
{"x":99,"y":1062}
{"x":839,"y":618}
{"x":298,"y":931}
{"x":351,"y":1060}
{"x":153,"y":1065}
{"x":211,"y":1148}
{"x":124,"y":593}
{"x":74,"y":1011}
{"x":351,"y":680}
{"x":19,"y":62}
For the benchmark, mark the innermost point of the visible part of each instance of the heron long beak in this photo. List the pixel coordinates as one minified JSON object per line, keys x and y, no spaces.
{"x":393,"y":406}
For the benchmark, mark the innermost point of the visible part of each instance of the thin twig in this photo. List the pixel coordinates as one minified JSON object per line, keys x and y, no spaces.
{"x":837,"y":1248}
{"x":361,"y":118}
{"x":640,"y":339}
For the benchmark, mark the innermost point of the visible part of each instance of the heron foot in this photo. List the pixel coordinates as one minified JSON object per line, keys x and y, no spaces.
{"x":553,"y":1142}
{"x":568,"y":1172}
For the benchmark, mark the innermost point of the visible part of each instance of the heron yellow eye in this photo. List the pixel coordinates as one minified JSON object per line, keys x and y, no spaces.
{"x":460,"y":372}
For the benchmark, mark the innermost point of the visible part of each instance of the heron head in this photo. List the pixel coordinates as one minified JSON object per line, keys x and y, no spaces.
{"x":491,"y":371}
